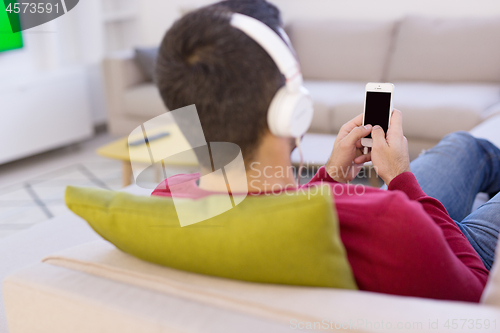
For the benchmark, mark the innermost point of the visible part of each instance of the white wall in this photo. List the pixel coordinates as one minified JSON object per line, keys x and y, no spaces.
{"x":158,"y":15}
{"x":69,"y":40}
{"x":72,"y":40}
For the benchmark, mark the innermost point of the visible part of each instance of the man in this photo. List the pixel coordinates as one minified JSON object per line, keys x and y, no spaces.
{"x":400,"y":241}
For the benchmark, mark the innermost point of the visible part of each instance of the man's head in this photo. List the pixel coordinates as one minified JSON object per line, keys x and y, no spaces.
{"x":226,"y":74}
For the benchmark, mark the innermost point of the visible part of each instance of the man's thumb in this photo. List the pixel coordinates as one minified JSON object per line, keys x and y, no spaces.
{"x":378,"y":135}
{"x":358,"y":133}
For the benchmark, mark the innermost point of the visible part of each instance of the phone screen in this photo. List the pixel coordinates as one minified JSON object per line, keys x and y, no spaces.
{"x":377,"y":109}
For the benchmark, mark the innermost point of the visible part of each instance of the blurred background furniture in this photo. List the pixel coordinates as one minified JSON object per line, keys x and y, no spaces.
{"x":120,"y":150}
{"x":131,"y":98}
{"x":446,"y":73}
{"x":43,"y":112}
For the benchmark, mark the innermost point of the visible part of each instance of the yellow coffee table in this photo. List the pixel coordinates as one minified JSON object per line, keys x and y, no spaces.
{"x":120,"y":150}
{"x":316,"y":147}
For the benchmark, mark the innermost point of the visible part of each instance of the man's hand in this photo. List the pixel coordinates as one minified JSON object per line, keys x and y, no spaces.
{"x":389,"y":153}
{"x":347,"y":157}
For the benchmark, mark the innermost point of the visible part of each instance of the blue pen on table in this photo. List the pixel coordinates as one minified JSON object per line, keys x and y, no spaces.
{"x":149,"y":139}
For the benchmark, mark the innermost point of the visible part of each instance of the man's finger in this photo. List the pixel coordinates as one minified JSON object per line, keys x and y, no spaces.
{"x":396,"y":126}
{"x":350,"y":125}
{"x":356,"y":134}
{"x":378,"y":136}
{"x":363,"y":158}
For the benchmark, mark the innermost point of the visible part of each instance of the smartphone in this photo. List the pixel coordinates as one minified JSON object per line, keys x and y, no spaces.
{"x":378,"y":108}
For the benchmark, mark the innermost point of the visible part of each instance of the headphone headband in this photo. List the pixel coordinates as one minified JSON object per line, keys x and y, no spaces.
{"x":277,"y":49}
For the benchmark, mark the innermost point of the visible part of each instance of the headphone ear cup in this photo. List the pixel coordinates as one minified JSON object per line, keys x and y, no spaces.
{"x":290,"y":113}
{"x":276,"y":114}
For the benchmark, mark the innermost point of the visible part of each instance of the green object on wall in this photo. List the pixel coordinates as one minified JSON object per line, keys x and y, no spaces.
{"x":8,"y":39}
{"x":282,"y":239}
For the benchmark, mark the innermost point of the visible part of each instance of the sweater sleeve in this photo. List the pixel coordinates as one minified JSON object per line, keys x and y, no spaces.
{"x":454,"y":237}
{"x":321,"y":176}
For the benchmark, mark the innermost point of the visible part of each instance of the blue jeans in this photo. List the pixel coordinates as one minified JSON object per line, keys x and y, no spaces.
{"x":454,"y":172}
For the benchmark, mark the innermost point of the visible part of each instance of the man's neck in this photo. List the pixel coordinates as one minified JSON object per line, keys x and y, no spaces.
{"x":270,"y":170}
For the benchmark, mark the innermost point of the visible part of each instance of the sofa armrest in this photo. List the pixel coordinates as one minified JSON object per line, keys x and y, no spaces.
{"x":491,"y":111}
{"x":121,"y":293}
{"x":121,"y":72}
{"x":46,"y":298}
{"x":49,"y":299}
{"x":488,"y":130}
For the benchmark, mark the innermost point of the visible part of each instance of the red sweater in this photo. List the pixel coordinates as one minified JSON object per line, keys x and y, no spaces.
{"x":399,"y":241}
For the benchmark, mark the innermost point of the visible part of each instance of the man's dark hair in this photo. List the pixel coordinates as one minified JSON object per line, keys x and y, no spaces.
{"x":226,"y":74}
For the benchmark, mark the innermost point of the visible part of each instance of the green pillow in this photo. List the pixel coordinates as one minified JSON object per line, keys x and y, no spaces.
{"x":283,"y":239}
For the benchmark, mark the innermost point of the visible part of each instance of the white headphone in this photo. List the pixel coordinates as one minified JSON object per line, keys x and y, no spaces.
{"x":291,"y":110}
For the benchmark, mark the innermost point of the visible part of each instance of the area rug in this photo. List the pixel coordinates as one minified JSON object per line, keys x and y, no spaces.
{"x":40,"y":198}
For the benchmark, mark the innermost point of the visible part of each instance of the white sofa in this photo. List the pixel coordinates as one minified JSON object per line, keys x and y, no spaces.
{"x":85,"y":285}
{"x":446,"y":73}
{"x":97,"y":288}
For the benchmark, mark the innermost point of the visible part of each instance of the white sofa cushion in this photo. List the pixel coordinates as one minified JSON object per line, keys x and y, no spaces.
{"x":327,"y":95}
{"x":453,"y":50}
{"x":342,"y":50}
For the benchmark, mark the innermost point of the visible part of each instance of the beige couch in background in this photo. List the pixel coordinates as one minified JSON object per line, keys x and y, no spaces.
{"x":446,"y":73}
{"x":131,"y":99}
